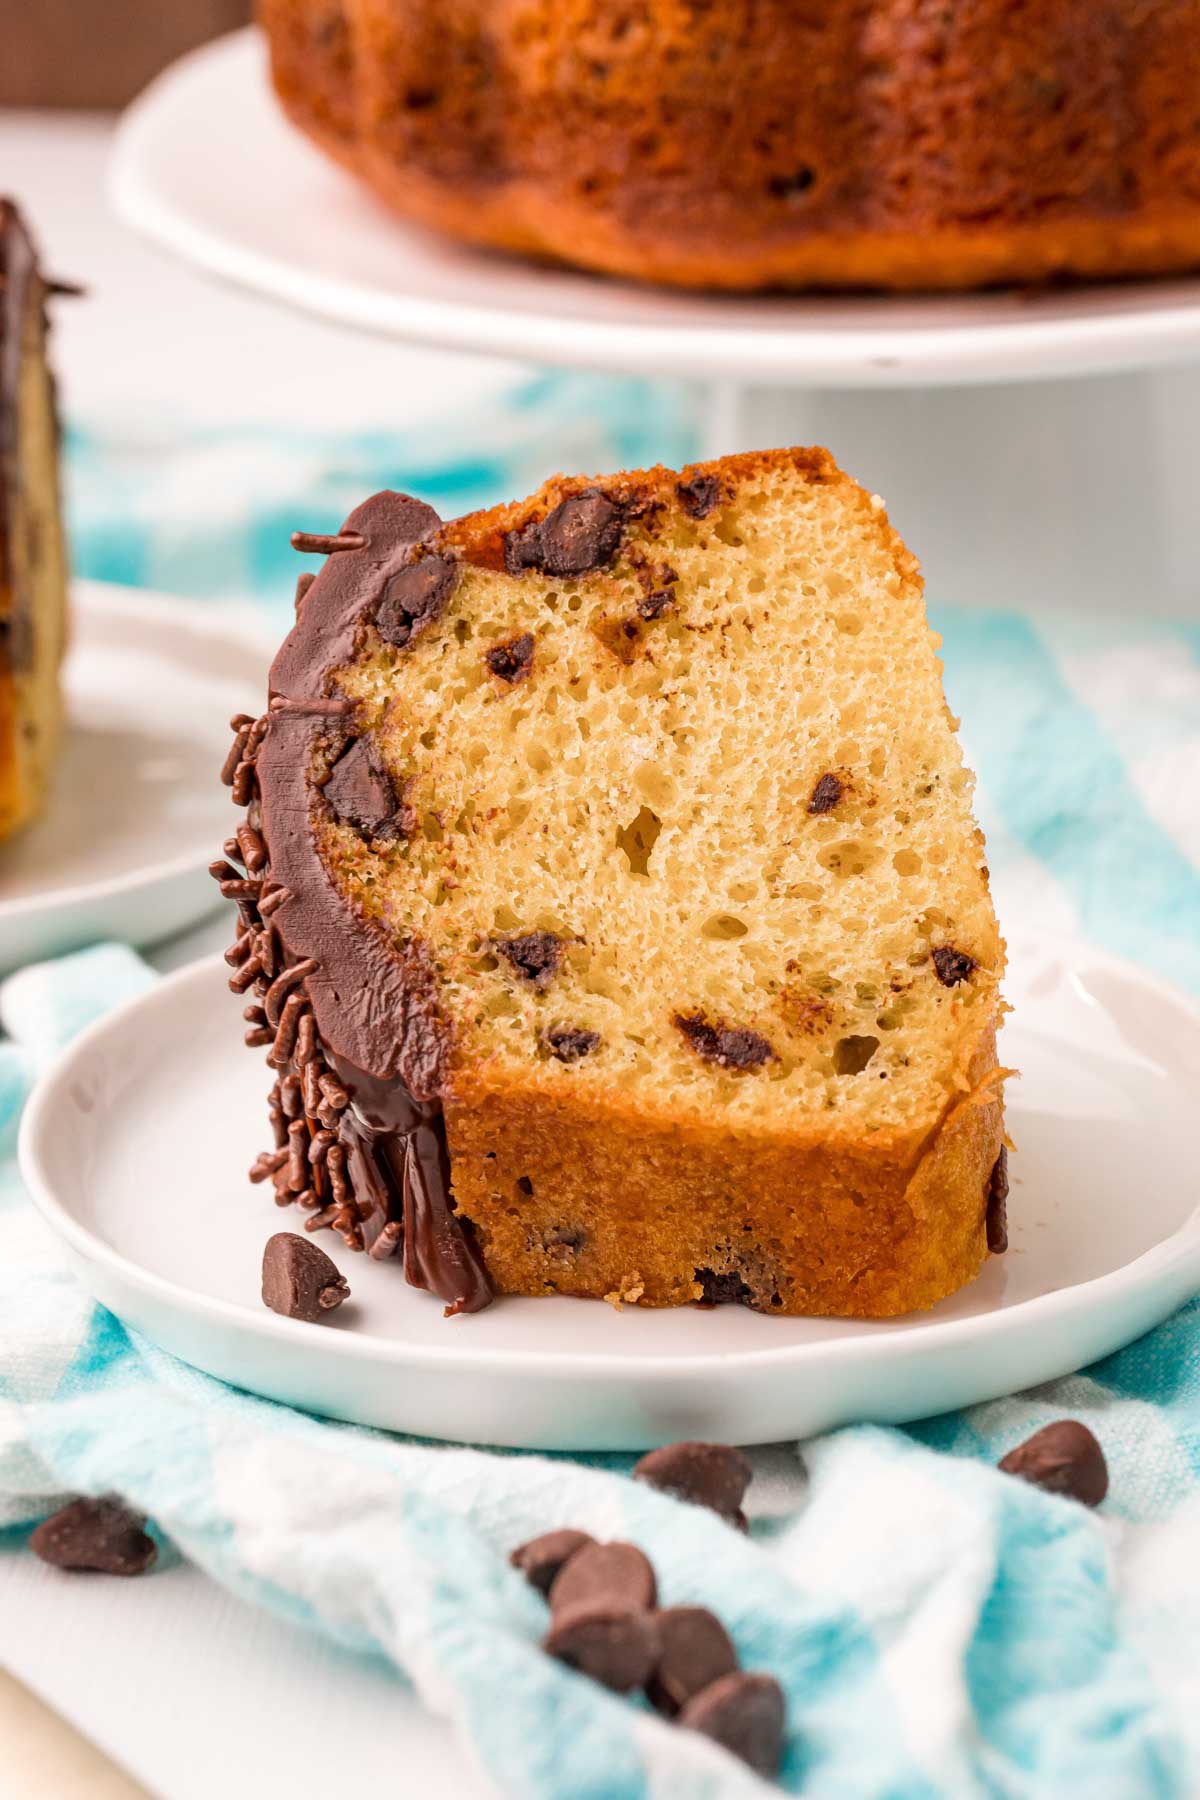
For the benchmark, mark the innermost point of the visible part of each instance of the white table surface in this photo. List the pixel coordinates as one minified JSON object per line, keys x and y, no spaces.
{"x":190,"y":1691}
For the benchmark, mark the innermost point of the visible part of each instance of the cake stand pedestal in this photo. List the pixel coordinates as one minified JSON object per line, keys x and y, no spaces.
{"x":1033,"y":447}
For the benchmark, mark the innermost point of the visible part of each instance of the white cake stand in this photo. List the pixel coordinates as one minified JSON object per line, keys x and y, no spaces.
{"x":1011,"y":475}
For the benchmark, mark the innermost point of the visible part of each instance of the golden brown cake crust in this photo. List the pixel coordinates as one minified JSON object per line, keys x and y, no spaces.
{"x":611,"y":1194}
{"x":661,"y":1215}
{"x":898,"y":144}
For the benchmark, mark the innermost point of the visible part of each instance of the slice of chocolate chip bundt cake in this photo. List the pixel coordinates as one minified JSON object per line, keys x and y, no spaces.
{"x":612,"y":912}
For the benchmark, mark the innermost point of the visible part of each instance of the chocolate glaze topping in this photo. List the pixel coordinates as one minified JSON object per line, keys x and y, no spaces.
{"x":356,"y":1031}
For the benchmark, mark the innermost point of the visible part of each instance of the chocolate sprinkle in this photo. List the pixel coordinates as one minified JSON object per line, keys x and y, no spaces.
{"x":582,"y":533}
{"x":568,"y":1044}
{"x":699,"y":496}
{"x":997,"y":1205}
{"x":415,"y":598}
{"x":825,"y":795}
{"x":102,"y":1536}
{"x":298,"y":1279}
{"x":535,"y":955}
{"x":327,"y":543}
{"x":512,"y":661}
{"x":1063,"y":1458}
{"x":952,"y":965}
{"x":731,"y":1047}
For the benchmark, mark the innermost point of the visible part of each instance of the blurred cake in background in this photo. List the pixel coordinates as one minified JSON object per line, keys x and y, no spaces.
{"x":899,"y":144}
{"x":33,"y":563}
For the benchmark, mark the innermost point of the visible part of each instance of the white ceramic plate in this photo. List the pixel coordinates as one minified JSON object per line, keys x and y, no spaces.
{"x":255,"y":203}
{"x":134,"y":1147}
{"x":135,"y":812}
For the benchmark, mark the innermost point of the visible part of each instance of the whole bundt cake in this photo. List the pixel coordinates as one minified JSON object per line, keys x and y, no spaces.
{"x":757,"y":143}
{"x":612,"y":914}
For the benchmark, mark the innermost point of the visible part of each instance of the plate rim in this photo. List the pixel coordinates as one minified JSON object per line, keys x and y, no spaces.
{"x":110,"y":600}
{"x":1155,"y":1264}
{"x":936,"y":354}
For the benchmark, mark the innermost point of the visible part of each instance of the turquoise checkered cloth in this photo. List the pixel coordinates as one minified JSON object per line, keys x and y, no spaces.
{"x":939,"y":1629}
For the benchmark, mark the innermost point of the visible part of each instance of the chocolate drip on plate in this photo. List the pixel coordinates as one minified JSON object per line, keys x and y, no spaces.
{"x":438,"y":1254}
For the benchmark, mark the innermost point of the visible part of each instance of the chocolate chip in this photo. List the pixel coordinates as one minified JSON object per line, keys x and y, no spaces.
{"x":542,"y":1557}
{"x":562,"y":1241}
{"x":792,"y":185}
{"x":731,"y":1047}
{"x":415,"y":598}
{"x":997,"y":1205}
{"x":605,"y":1640}
{"x":582,"y":533}
{"x":569,"y":1044}
{"x":652,"y":606}
{"x":533,"y":954}
{"x":1063,"y":1458}
{"x":952,"y":965}
{"x":361,"y":794}
{"x":825,"y":795}
{"x":699,"y":496}
{"x":100,"y":1535}
{"x":299,"y":1280}
{"x":745,"y":1714}
{"x":513,"y":659}
{"x":616,"y":1574}
{"x":694,"y":1650}
{"x":712,"y":1475}
{"x":721,"y":1290}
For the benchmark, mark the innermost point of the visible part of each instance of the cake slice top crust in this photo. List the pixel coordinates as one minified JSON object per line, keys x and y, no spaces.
{"x":645,"y":785}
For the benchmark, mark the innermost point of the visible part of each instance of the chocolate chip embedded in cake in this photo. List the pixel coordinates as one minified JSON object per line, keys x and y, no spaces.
{"x":571,"y":1043}
{"x":414,"y":599}
{"x":534,"y":955}
{"x":732,"y":1047}
{"x":360,"y":793}
{"x":583,"y":532}
{"x":512,"y":661}
{"x":700,"y":495}
{"x":826,"y":794}
{"x":951,"y":965}
{"x":997,"y":1205}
